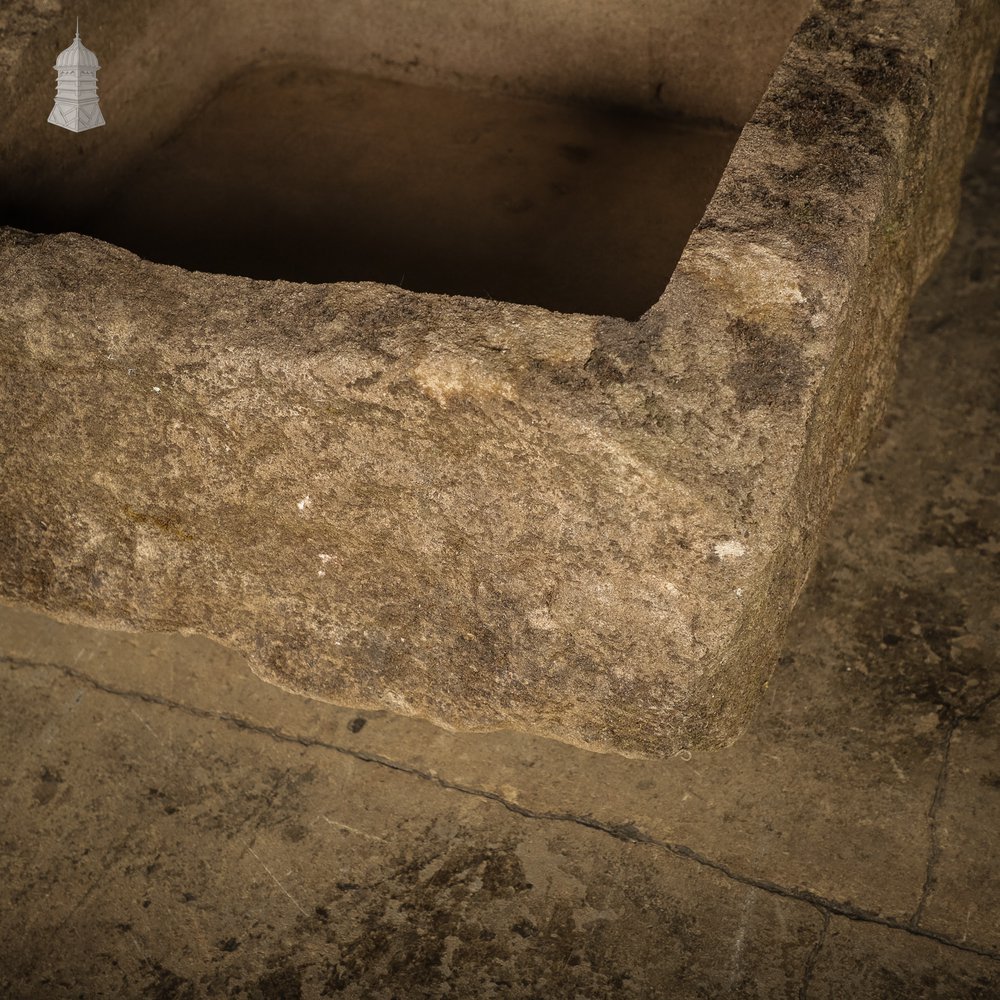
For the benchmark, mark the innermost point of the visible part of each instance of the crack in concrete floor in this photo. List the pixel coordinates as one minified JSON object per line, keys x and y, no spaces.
{"x":620,"y":831}
{"x":940,"y":788}
{"x":810,"y":965}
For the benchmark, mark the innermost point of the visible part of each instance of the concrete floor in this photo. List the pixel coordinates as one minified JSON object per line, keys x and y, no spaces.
{"x":174,"y":828}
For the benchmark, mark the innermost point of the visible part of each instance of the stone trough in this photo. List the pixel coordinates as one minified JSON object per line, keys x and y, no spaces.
{"x":492,"y":364}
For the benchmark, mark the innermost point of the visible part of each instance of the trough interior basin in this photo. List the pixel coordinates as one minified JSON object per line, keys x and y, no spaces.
{"x":559,"y":155}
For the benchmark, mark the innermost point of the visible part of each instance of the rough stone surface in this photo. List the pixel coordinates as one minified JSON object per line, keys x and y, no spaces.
{"x":484,"y":514}
{"x":174,"y":829}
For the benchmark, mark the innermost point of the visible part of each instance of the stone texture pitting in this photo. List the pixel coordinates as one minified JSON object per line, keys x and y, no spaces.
{"x":484,"y":514}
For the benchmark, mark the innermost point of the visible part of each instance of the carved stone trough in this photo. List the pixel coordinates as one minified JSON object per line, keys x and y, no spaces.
{"x":404,"y":396}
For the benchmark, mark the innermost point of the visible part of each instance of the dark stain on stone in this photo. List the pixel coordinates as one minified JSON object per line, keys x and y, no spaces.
{"x":885,"y":74}
{"x":767,"y":370}
{"x":155,"y":793}
{"x":622,"y":349}
{"x":364,"y":381}
{"x":229,"y":945}
{"x":944,"y":531}
{"x":370,"y":324}
{"x":499,"y":870}
{"x":294,"y":833}
{"x":168,"y":525}
{"x":338,"y":978}
{"x":813,"y":113}
{"x":446,"y":896}
{"x":818,"y":32}
{"x":908,"y":639}
{"x":656,"y":413}
{"x":356,"y":725}
{"x":284,"y":983}
{"x":832,"y":25}
{"x":167,"y":985}
{"x":842,"y":129}
{"x":48,"y":784}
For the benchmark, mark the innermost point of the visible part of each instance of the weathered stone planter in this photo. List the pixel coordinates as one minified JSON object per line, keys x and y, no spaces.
{"x":487,"y":514}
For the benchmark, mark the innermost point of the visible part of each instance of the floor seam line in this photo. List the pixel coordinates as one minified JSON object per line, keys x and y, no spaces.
{"x":934,"y":848}
{"x":813,"y":956}
{"x":625,"y":832}
{"x":940,"y":790}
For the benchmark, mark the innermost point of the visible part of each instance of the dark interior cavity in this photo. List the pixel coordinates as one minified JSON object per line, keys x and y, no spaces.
{"x":572,"y":184}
